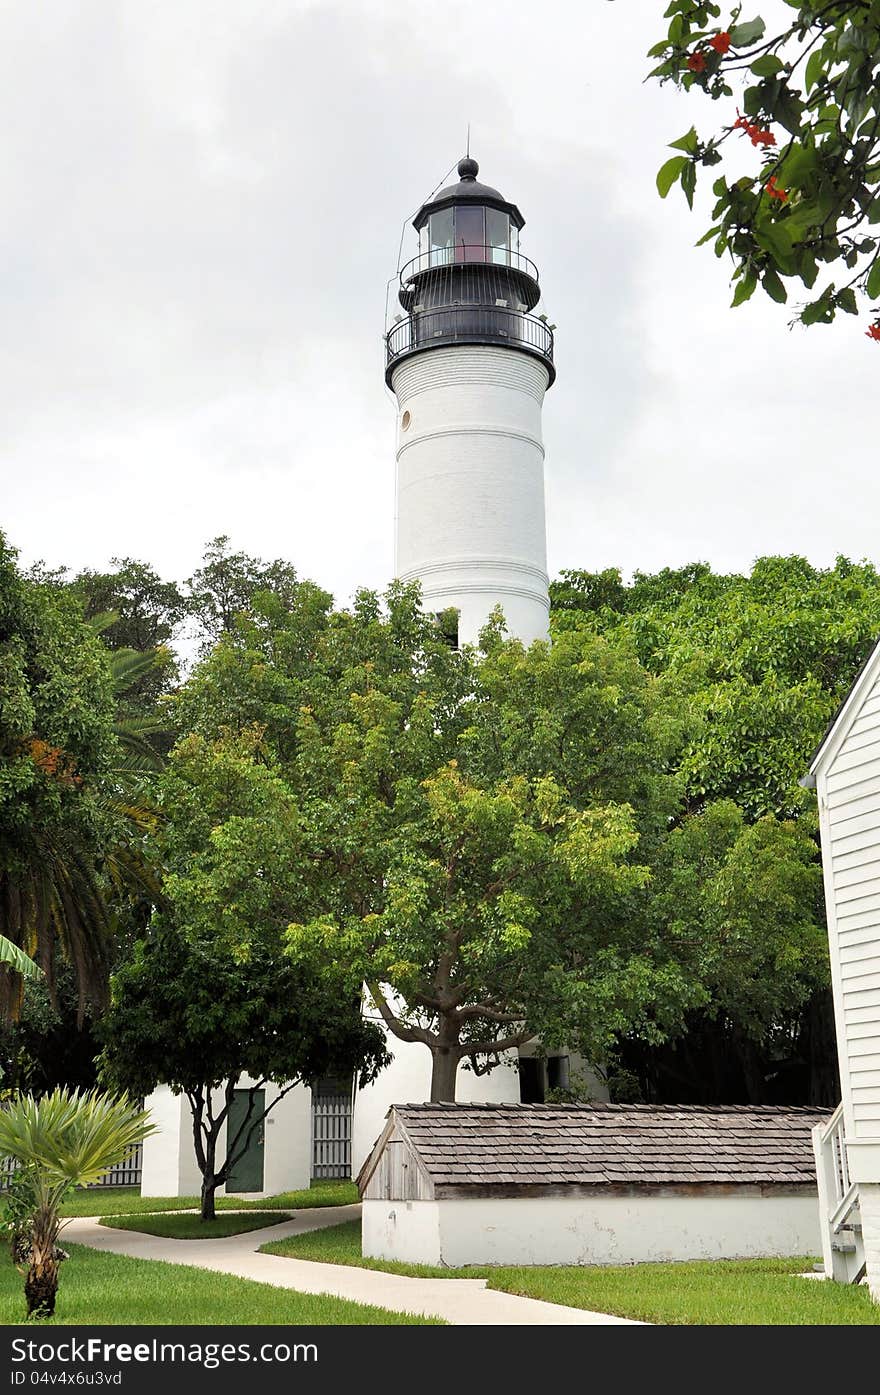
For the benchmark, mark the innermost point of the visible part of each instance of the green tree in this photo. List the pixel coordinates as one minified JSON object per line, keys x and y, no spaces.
{"x":227,"y":584}
{"x":210,"y":995}
{"x":135,"y":611}
{"x":395,"y":750}
{"x":65,"y":1139}
{"x":57,"y":748}
{"x":492,"y":925}
{"x":799,"y":204}
{"x":756,"y":666}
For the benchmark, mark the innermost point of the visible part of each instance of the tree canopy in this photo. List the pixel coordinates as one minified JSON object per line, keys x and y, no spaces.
{"x":209,"y":996}
{"x":798,"y":129}
{"x":57,"y":747}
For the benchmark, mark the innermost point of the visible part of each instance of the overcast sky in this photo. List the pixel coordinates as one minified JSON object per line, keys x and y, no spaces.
{"x":202,"y":203}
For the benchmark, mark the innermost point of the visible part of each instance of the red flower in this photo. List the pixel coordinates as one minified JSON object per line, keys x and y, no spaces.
{"x":720,"y":43}
{"x":774,"y":191}
{"x":756,"y":134}
{"x":874,"y":331}
{"x":697,"y":62}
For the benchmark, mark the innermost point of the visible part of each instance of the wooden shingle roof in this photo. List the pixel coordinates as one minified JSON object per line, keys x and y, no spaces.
{"x":604,"y":1145}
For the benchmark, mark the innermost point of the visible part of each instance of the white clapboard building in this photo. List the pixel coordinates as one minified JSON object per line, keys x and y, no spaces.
{"x":845,"y":773}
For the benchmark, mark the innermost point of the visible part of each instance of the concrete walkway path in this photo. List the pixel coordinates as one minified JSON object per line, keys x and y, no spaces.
{"x":466,"y":1302}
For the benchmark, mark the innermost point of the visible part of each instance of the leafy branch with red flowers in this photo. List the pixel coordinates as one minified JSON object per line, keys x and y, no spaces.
{"x":806,"y":98}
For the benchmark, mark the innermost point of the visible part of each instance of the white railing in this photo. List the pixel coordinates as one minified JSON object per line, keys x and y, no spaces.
{"x":842,"y":1248}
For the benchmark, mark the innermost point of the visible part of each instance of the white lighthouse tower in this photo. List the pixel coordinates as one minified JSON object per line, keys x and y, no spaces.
{"x":469,"y":364}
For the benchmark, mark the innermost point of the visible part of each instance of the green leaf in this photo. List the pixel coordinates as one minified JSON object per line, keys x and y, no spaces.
{"x":745,"y":289}
{"x":776,"y":238}
{"x":752,"y":101}
{"x":808,"y":269}
{"x":873,"y":282}
{"x":773,"y":286}
{"x":768,"y":65}
{"x":713,"y":232}
{"x":788,"y":110}
{"x":741,"y":35}
{"x":818,"y":312}
{"x":17,"y":959}
{"x":689,"y":142}
{"x":670,"y":173}
{"x":846,"y":300}
{"x":689,"y":182}
{"x":815,"y":68}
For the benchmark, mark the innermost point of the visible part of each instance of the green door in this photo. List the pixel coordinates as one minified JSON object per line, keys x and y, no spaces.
{"x":246,"y":1175}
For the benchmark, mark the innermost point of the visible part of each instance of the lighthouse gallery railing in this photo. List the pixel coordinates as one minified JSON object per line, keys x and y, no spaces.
{"x":480,"y":324}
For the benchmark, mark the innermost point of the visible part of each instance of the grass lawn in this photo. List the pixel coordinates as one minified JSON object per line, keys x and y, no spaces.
{"x":102,"y":1288}
{"x":728,"y":1292}
{"x":190,"y":1227}
{"x":120,"y":1201}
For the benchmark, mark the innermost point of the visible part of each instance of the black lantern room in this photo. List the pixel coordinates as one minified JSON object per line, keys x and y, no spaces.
{"x":469,"y":284}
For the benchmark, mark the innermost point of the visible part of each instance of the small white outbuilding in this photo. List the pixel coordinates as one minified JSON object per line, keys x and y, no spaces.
{"x":460,"y":1184}
{"x":845,"y":772}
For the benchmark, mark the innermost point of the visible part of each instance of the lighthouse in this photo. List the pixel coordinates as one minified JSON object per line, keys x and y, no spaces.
{"x":469,"y":361}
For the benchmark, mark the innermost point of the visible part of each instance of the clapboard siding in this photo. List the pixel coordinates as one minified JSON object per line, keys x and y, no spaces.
{"x":864,"y":952}
{"x":861,"y":1016}
{"x":871,"y":703}
{"x":859,"y":833}
{"x":858,"y":935}
{"x":856,"y":920}
{"x":864,"y":1030}
{"x":865,"y":873}
{"x":864,"y":735}
{"x":852,"y":853}
{"x":862,"y":846}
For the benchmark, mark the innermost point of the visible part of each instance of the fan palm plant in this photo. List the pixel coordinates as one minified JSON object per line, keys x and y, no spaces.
{"x":66,"y":1139}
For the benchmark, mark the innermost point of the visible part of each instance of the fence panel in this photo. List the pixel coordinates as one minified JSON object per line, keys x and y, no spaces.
{"x":126,"y":1174}
{"x":331,"y":1133}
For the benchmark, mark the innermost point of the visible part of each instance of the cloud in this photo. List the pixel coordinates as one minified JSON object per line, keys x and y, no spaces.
{"x":203,"y":204}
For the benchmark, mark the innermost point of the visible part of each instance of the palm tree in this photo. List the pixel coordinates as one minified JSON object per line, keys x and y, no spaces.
{"x":66,"y":1139}
{"x":57,"y":900}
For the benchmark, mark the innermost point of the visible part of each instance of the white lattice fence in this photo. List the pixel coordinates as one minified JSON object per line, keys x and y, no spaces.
{"x":127,"y":1174}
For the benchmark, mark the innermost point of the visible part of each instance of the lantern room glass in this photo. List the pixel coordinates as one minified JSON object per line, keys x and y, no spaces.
{"x":470,"y":233}
{"x":440,"y":237}
{"x":498,"y":236}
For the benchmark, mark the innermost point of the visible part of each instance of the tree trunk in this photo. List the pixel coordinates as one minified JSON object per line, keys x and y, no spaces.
{"x":41,"y":1282}
{"x":209,"y":1187}
{"x":444,"y":1067}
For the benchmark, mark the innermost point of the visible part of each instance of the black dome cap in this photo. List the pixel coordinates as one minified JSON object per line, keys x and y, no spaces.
{"x":467,"y":190}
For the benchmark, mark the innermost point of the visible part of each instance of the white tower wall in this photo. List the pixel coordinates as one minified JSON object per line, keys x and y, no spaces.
{"x":470,"y":485}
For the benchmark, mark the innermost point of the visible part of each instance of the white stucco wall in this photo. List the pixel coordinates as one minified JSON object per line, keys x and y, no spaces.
{"x":169,"y":1160}
{"x":161,"y":1156}
{"x":407,"y":1080}
{"x":470,"y":485}
{"x":590,"y":1230}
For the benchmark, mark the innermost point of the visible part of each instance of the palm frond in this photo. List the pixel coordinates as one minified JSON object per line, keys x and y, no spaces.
{"x":72,"y":1137}
{"x":17,"y":959}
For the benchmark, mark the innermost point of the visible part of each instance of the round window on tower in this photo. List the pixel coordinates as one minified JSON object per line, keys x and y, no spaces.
{"x":405,"y":420}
